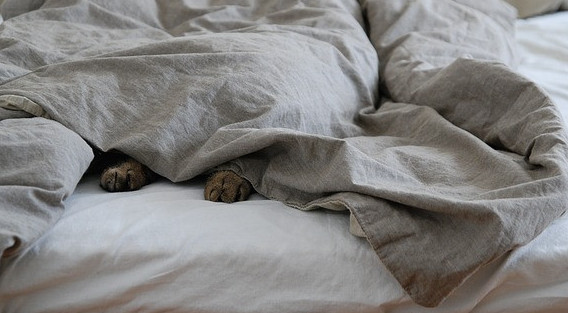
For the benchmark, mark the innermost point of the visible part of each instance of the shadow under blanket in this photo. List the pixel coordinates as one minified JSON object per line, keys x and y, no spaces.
{"x":409,"y":114}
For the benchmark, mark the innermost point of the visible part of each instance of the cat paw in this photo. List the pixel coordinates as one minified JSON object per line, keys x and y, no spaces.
{"x":128,"y":175}
{"x":226,"y":186}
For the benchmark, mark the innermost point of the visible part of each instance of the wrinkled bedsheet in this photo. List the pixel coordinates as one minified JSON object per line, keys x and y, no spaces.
{"x":409,"y":114}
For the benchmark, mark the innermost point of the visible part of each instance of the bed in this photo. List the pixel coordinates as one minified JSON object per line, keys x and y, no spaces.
{"x":463,"y":121}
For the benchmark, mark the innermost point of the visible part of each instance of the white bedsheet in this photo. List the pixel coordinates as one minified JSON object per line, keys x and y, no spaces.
{"x":543,"y":42}
{"x":163,"y":249}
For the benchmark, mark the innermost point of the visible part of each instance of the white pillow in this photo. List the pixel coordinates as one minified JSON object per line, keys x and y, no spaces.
{"x":528,"y":8}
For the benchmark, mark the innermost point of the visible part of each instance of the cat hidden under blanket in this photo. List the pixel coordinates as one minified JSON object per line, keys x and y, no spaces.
{"x":119,"y":172}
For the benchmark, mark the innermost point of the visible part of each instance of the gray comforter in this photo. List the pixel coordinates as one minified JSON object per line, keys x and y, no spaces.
{"x":409,"y":114}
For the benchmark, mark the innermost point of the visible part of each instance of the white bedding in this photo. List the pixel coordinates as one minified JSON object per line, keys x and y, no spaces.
{"x":164,"y":249}
{"x":544,"y":48}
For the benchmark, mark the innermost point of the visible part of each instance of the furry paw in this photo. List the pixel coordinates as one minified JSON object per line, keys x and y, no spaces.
{"x":226,"y":186}
{"x":127,"y":175}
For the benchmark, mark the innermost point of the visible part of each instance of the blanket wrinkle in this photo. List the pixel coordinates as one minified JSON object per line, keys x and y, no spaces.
{"x":457,"y":161}
{"x":41,"y":162}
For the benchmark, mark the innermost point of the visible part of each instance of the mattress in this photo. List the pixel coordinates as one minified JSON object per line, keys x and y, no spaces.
{"x":164,"y":249}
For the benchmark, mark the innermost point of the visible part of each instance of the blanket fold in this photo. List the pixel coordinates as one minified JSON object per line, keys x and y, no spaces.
{"x":458,"y":161}
{"x":41,"y":162}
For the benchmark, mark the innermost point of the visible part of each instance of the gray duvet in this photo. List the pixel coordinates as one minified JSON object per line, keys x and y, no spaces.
{"x":409,"y":114}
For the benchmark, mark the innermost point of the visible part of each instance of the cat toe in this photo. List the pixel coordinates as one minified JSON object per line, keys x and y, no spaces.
{"x":127,"y":176}
{"x":113,"y":179}
{"x":227,"y":186}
